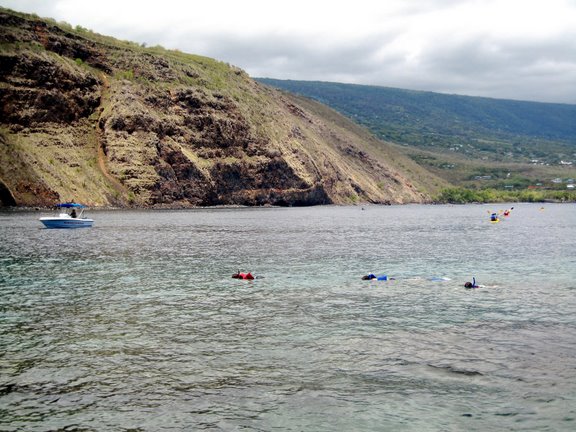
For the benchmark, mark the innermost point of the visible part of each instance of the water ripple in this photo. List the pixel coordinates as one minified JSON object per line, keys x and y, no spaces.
{"x":137,"y":325}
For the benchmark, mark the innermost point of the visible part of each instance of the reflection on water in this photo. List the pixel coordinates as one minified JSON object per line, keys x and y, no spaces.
{"x":136,"y":324}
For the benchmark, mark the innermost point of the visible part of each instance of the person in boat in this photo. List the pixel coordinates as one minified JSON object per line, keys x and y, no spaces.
{"x":471,"y":284}
{"x":494,"y":217}
{"x":73,"y":213}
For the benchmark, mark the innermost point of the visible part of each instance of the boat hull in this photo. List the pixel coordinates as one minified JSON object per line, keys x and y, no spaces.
{"x":66,"y":222}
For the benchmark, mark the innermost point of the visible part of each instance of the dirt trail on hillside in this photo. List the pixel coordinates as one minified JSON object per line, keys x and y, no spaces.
{"x":118,"y":187}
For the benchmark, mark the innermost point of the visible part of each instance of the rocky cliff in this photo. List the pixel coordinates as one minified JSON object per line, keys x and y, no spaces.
{"x":106,"y":122}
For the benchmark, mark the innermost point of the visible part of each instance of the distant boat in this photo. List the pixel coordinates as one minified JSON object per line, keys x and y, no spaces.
{"x":68,"y":217}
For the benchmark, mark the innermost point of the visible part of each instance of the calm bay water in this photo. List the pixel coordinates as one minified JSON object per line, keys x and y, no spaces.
{"x":136,"y":324}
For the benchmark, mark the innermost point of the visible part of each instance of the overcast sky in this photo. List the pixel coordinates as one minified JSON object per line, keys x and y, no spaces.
{"x":514,"y":49}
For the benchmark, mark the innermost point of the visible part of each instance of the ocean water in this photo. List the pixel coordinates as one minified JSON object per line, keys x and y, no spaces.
{"x":137,"y":325}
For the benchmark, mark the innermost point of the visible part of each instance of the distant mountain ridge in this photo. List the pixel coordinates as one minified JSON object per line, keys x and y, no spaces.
{"x":439,"y":114}
{"x":443,"y":132}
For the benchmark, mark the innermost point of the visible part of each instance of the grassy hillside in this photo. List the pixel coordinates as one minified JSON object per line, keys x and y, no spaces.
{"x":108,"y":122}
{"x":469,"y":141}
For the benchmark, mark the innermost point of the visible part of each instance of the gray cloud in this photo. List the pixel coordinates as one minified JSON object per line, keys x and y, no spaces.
{"x":435,"y":45}
{"x":544,"y":71}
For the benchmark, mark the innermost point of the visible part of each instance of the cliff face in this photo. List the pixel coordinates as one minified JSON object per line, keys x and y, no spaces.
{"x":105,"y":122}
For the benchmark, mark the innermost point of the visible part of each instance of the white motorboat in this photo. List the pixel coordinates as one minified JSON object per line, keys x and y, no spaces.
{"x":71,"y":215}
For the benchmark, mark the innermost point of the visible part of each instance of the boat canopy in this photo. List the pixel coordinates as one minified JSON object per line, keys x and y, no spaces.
{"x":70,"y":205}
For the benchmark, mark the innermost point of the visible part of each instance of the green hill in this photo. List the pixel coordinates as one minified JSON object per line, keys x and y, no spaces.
{"x":109,"y":122}
{"x":470,"y":141}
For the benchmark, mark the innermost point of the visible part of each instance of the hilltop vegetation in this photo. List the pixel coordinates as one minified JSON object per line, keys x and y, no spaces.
{"x":108,"y":122}
{"x":470,"y":141}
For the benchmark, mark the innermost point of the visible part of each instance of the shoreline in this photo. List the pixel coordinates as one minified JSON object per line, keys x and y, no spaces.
{"x":17,"y":209}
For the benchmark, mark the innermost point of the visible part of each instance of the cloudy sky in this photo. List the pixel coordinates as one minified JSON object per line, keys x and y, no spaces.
{"x":514,"y":49}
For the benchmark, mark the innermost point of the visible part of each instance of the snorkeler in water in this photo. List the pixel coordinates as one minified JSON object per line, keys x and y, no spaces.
{"x":372,"y":276}
{"x":471,"y":284}
{"x":239,"y":275}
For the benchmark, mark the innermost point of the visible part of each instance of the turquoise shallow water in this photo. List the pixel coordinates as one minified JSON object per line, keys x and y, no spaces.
{"x":137,"y":325}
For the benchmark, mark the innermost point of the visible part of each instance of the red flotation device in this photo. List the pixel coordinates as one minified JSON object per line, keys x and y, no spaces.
{"x":239,"y":275}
